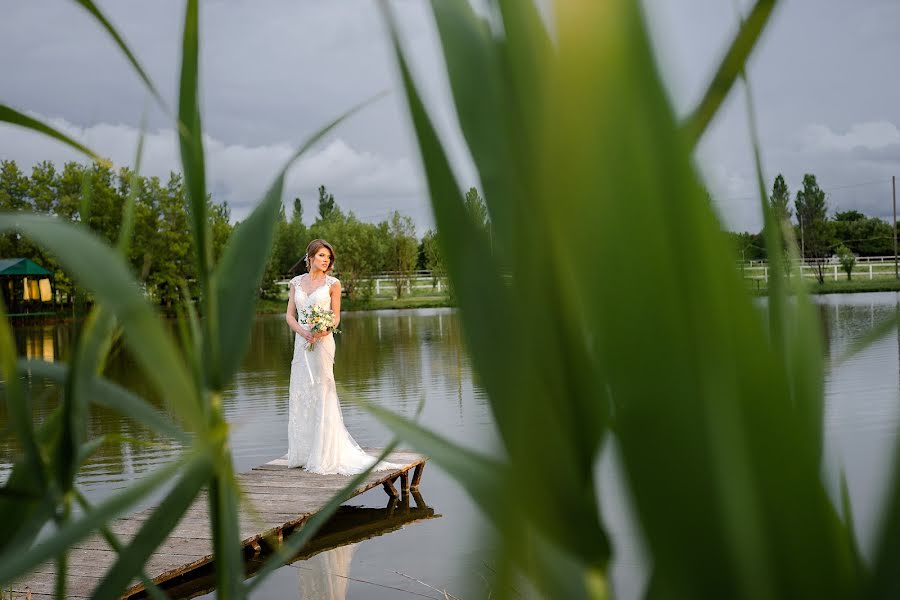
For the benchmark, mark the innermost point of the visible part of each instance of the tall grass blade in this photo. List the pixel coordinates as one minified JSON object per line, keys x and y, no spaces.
{"x":18,"y":410}
{"x":479,"y":90}
{"x":95,"y":12}
{"x":243,"y":262}
{"x":191,"y":143}
{"x":152,"y":589}
{"x":155,"y":529}
{"x":92,"y":345}
{"x":483,"y":477}
{"x":106,"y":275}
{"x":226,"y":537}
{"x":494,"y":321}
{"x":10,"y":115}
{"x":728,"y":71}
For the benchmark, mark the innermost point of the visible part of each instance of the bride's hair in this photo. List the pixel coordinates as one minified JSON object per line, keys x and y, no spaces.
{"x":302,"y":265}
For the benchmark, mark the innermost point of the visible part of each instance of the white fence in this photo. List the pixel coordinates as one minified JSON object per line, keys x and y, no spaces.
{"x":871,"y":269}
{"x":384,"y":283}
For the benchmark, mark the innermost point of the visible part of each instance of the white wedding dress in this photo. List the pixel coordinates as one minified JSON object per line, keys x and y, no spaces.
{"x":317,"y":438}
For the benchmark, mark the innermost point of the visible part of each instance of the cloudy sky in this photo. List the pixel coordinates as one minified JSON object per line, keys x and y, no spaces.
{"x":824,"y":81}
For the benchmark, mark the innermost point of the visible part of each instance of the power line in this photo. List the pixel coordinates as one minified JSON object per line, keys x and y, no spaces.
{"x":824,"y":189}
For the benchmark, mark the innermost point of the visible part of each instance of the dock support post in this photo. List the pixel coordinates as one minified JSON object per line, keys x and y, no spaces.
{"x":417,"y":476}
{"x":390,"y":489}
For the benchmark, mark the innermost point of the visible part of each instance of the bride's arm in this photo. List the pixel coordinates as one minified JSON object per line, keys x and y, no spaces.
{"x":335,"y":291}
{"x":291,"y":316}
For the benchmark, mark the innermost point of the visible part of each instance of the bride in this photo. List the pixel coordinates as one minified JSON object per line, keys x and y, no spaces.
{"x":317,"y":438}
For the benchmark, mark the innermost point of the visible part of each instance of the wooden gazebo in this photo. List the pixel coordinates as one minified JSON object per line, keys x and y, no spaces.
{"x":26,"y":285}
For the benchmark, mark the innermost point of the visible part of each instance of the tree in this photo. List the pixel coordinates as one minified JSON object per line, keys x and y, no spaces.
{"x":327,"y":207}
{"x":780,"y":199}
{"x":864,"y":236}
{"x":849,"y":216}
{"x":273,"y":270}
{"x":402,"y":248}
{"x":14,"y":188}
{"x":847,"y":259}
{"x":434,"y":258}
{"x":816,"y":233}
{"x":173,"y":247}
{"x":477,"y":209}
{"x":297,"y":213}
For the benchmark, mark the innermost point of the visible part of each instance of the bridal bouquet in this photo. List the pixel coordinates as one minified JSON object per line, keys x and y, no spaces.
{"x":319,"y":320}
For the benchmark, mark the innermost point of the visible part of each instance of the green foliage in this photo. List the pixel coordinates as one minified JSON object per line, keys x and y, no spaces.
{"x":864,"y":236}
{"x":748,"y":246}
{"x":780,"y":199}
{"x":161,"y":250}
{"x":815,"y":231}
{"x":402,"y":250}
{"x":477,"y":209}
{"x":327,"y":207}
{"x":434,"y":260}
{"x":847,"y":260}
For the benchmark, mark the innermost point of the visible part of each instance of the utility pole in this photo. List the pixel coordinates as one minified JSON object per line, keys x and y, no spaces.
{"x":894,"y":195}
{"x":802,"y":243}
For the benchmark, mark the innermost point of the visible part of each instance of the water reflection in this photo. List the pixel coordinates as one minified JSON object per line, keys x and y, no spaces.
{"x":321,"y":570}
{"x":324,"y":576}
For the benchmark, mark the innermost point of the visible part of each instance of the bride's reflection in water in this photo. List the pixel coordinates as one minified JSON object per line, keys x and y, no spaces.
{"x":325,"y":575}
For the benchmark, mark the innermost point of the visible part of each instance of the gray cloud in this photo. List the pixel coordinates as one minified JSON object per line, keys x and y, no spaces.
{"x":272,"y":73}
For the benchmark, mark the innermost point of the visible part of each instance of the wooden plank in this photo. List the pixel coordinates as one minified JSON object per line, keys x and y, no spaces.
{"x":274,"y":498}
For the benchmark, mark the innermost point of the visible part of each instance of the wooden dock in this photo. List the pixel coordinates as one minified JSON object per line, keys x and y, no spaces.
{"x":277,"y":500}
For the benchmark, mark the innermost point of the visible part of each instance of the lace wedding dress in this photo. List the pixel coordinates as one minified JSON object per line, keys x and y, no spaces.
{"x":317,"y":438}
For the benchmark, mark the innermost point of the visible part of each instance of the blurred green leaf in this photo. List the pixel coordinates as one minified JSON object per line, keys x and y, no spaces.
{"x":10,"y":115}
{"x":478,"y":84}
{"x":155,"y":529}
{"x":226,"y":536}
{"x":110,"y":395}
{"x":14,"y":562}
{"x":18,"y":409}
{"x":106,"y":275}
{"x":483,"y":477}
{"x":191,"y":142}
{"x":92,"y":345}
{"x":729,"y":69}
{"x":494,"y":322}
{"x":152,"y":589}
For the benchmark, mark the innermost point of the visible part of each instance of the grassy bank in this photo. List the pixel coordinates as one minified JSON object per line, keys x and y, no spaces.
{"x":272,"y":305}
{"x":836,"y":287}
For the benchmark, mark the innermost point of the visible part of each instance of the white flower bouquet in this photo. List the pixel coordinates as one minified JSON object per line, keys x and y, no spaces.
{"x":319,"y":320}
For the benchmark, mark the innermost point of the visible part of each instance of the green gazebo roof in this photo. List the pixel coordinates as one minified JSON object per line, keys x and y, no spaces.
{"x":21,"y":266}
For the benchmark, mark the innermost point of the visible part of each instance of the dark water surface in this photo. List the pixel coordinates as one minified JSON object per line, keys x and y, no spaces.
{"x":397,"y":359}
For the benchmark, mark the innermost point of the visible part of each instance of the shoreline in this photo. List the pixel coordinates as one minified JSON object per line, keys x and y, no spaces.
{"x":838,"y":287}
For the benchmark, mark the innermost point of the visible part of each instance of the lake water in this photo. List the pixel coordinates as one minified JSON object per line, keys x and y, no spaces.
{"x":398,"y":359}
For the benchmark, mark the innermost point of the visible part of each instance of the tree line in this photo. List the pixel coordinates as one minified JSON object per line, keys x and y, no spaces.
{"x":820,"y":235}
{"x":363,"y":249}
{"x":162,"y":249}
